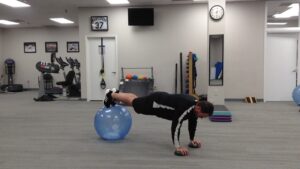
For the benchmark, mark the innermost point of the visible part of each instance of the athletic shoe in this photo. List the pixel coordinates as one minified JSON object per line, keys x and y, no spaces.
{"x":108,"y":100}
{"x":114,"y":90}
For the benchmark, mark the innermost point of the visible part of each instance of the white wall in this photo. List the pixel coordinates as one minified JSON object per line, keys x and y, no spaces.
{"x":184,"y":28}
{"x":1,"y":60}
{"x":244,"y":49}
{"x":177,"y":28}
{"x":13,"y":47}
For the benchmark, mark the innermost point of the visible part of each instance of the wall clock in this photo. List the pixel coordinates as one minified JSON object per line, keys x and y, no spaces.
{"x":216,"y":12}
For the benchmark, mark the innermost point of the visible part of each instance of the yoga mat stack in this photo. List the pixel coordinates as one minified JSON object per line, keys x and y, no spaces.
{"x":221,"y":114}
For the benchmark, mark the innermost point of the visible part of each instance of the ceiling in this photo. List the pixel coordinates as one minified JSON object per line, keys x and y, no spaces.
{"x":275,"y":7}
{"x":41,"y":10}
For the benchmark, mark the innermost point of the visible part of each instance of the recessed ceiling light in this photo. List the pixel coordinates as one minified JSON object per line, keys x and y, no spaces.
{"x":61,"y":20}
{"x":292,"y":11}
{"x":276,"y":23}
{"x":6,"y":22}
{"x":118,"y":2}
{"x":14,"y":3}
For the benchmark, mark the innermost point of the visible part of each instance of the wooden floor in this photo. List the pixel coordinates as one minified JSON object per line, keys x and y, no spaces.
{"x":60,"y":135}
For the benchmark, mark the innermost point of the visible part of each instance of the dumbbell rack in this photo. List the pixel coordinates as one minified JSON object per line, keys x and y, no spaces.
{"x":140,"y":87}
{"x":190,"y":87}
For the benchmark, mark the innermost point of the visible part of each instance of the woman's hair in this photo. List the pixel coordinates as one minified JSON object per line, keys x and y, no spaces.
{"x":206,"y":107}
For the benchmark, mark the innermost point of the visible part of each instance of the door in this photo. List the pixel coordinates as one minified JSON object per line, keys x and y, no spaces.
{"x":280,"y":65}
{"x":94,"y":65}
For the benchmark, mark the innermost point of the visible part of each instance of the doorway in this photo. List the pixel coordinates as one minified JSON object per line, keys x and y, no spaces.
{"x":280,"y":75}
{"x":94,"y":65}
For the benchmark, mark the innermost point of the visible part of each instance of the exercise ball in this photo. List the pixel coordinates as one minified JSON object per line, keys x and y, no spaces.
{"x":113,"y":123}
{"x":141,"y":77}
{"x":128,"y":76}
{"x":296,"y":95}
{"x":135,"y":77}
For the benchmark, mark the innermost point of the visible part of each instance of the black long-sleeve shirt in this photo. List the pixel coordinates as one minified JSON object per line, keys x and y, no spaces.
{"x":177,"y":108}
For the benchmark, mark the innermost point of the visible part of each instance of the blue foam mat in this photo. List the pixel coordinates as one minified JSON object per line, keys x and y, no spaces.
{"x":221,"y":113}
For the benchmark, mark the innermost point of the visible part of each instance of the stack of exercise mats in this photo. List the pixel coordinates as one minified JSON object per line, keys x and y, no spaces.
{"x":221,"y":114}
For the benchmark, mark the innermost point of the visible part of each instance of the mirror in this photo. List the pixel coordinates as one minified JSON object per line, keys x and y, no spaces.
{"x":216,"y":52}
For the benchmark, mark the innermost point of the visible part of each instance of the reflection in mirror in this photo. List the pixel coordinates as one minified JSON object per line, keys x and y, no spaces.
{"x":282,"y":14}
{"x":216,"y":52}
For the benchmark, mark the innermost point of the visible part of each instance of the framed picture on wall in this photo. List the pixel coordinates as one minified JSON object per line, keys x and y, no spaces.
{"x":99,"y":23}
{"x":51,"y":47}
{"x":29,"y":47}
{"x":72,"y":46}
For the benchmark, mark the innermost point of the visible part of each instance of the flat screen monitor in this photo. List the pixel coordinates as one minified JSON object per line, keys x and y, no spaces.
{"x":140,"y":16}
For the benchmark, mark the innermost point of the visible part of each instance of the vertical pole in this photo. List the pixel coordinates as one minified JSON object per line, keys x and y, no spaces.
{"x":152,"y":73}
{"x":181,"y":85}
{"x":122,"y":70}
{"x":176,"y":78}
{"x":297,"y":52}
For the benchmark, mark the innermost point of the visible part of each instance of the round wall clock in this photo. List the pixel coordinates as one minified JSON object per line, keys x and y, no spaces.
{"x":216,"y":12}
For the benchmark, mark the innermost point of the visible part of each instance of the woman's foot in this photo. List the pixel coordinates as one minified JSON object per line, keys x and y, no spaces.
{"x":108,"y":100}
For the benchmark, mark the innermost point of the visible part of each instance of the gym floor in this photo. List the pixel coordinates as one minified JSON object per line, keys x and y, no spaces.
{"x":60,"y":135}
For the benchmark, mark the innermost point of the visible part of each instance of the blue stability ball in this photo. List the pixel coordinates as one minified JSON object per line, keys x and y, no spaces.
{"x":135,"y":77}
{"x":112,"y":123}
{"x":296,"y":95}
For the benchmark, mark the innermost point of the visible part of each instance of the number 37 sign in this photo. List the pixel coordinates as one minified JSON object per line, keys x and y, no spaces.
{"x":99,"y":23}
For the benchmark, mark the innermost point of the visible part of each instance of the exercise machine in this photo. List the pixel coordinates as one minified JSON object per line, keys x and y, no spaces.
{"x":68,"y":89}
{"x":77,"y":66}
{"x":71,"y":88}
{"x":46,"y":88}
{"x":1,"y":77}
{"x":74,"y":63}
{"x":10,"y":71}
